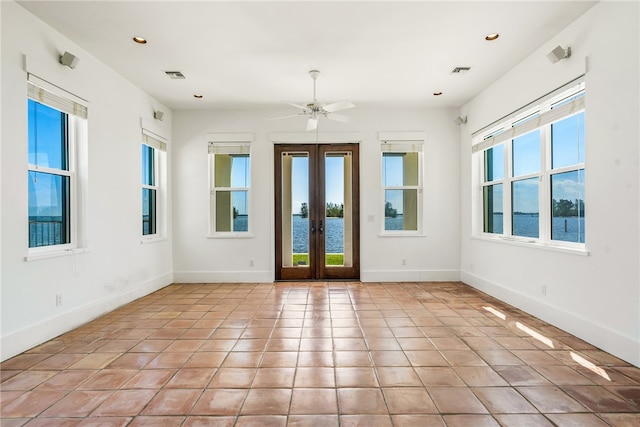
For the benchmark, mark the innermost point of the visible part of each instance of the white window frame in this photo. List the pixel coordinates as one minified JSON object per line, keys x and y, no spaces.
{"x":159,"y":146}
{"x":228,"y":144}
{"x":403,"y":142}
{"x":503,"y":133}
{"x":75,"y":108}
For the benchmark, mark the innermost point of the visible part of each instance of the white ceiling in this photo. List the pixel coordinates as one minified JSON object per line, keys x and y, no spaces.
{"x":241,"y":54}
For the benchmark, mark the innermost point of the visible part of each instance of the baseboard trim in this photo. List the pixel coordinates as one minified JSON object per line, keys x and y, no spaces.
{"x":223,"y":276}
{"x":410,"y":275}
{"x":31,"y":336}
{"x":613,"y":342}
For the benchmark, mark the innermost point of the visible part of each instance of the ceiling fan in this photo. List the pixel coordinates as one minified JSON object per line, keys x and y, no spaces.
{"x":315,"y":110}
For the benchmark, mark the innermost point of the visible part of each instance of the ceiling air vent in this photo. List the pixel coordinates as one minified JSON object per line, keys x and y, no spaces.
{"x":174,"y":74}
{"x":460,"y":70}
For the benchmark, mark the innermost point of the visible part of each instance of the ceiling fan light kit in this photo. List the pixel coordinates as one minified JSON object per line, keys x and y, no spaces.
{"x":315,"y":110}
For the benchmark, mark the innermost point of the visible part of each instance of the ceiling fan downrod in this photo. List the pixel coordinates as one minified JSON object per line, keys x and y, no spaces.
{"x":314,"y":75}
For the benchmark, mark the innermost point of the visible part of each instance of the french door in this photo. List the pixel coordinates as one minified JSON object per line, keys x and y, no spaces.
{"x":317,"y":212}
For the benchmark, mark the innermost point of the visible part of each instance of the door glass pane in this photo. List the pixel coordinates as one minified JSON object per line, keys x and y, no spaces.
{"x":48,"y":209}
{"x":295,"y":209}
{"x":492,"y":202}
{"x":525,"y":211}
{"x":567,"y":206}
{"x":338,"y":211}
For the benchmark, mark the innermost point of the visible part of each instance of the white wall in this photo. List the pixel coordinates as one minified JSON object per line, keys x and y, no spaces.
{"x":117,"y":268}
{"x":595,"y":297}
{"x":432,"y":257}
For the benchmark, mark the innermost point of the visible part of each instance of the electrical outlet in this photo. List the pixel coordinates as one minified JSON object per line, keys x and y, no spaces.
{"x":250,"y":263}
{"x":404,"y":261}
{"x":543,"y":289}
{"x":58,"y":300}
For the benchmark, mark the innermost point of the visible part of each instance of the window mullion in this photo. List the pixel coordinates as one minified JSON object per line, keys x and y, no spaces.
{"x":544,"y":189}
{"x":507,"y":219}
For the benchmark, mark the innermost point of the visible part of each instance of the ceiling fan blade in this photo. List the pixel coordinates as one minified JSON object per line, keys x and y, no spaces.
{"x":286,"y":117}
{"x":337,"y":106}
{"x":338,"y":117}
{"x":312,"y":124}
{"x":293,"y":104}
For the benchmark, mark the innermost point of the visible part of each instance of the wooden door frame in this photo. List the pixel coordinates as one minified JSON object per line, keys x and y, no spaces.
{"x":317,"y":269}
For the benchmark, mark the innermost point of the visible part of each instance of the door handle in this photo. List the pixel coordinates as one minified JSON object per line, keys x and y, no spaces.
{"x":321,"y":228}
{"x":313,"y":226}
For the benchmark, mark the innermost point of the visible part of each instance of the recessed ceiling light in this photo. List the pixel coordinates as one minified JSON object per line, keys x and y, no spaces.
{"x":140,"y":40}
{"x":492,"y":36}
{"x":197,"y":95}
{"x":437,"y":93}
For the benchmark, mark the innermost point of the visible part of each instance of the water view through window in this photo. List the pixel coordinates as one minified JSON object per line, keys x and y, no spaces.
{"x":49,"y":192}
{"x":536,"y":181}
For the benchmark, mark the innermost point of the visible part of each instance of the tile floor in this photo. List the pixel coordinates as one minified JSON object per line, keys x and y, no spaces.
{"x":318,"y":354}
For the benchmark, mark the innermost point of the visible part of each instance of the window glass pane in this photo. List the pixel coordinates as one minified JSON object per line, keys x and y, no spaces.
{"x":525,"y":210}
{"x":240,"y":210}
{"x":392,"y":170}
{"x":48,"y":209}
{"x":232,"y":170}
{"x":47,"y":136}
{"x":148,"y":173}
{"x":567,"y":206}
{"x":240,"y":170}
{"x":148,"y":211}
{"x":567,"y":141}
{"x":222,"y":169}
{"x":493,"y":214}
{"x":526,"y":154}
{"x":401,"y":209}
{"x":494,"y":163}
{"x":410,"y":169}
{"x":400,"y":169}
{"x":224,"y":211}
{"x":232,"y":211}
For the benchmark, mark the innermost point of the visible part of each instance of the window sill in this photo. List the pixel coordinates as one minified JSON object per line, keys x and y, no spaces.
{"x":230,"y":236}
{"x":533,"y":244}
{"x":155,"y":239}
{"x":398,"y":234}
{"x":54,"y":254}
